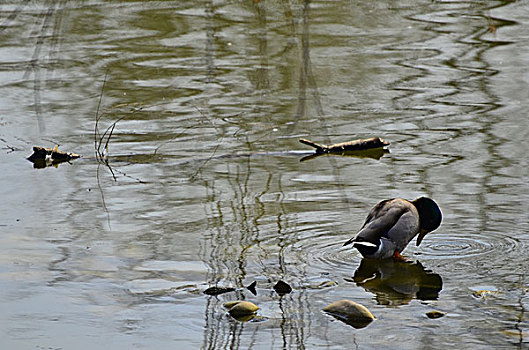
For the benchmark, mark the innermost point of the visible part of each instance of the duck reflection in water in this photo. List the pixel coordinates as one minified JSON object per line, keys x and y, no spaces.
{"x":397,"y":282}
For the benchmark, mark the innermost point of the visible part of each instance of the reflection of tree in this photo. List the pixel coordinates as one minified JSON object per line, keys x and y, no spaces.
{"x":256,"y":244}
{"x":462,"y":94}
{"x":50,"y":17}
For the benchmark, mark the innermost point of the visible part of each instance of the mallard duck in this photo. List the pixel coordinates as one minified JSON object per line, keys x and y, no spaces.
{"x":393,"y":223}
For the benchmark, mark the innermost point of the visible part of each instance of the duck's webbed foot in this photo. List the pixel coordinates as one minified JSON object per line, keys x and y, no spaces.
{"x":398,"y":257}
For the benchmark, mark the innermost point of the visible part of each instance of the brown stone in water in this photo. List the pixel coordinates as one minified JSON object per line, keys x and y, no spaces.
{"x":351,"y":313}
{"x":240,"y":308}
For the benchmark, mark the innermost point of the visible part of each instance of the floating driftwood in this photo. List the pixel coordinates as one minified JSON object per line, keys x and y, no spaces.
{"x":355,"y":145}
{"x":361,"y":148}
{"x":43,"y":157}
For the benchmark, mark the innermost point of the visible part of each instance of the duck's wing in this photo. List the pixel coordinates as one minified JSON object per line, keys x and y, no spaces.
{"x":378,"y":210}
{"x":380,"y":220}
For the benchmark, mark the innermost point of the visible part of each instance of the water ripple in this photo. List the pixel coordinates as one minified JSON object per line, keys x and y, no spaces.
{"x":326,"y":252}
{"x":472,"y":245}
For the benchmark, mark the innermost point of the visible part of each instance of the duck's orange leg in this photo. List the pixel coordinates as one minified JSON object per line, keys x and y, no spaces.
{"x":398,"y":257}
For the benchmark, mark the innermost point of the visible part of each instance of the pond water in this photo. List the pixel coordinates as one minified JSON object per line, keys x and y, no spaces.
{"x":202,"y":186}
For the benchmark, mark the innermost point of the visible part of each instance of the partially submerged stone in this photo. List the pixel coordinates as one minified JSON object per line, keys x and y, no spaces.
{"x":282,"y":288}
{"x":244,"y":318}
{"x":218,"y":290}
{"x":239,"y":309}
{"x":350,"y":312}
{"x":221,"y":290}
{"x":251,"y":288}
{"x":435,"y":314}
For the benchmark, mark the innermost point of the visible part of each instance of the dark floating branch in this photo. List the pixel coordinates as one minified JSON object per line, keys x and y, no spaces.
{"x":43,"y":157}
{"x":355,"y":145}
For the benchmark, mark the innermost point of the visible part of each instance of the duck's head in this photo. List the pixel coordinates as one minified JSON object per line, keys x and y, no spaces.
{"x":430,"y":216}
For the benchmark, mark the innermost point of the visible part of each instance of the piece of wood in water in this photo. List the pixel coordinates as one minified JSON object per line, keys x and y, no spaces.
{"x":355,"y":145}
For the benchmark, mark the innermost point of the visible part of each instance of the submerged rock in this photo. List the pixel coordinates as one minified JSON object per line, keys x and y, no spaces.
{"x":350,"y":312}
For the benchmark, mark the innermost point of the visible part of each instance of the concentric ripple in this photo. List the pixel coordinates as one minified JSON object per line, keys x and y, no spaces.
{"x":455,"y":246}
{"x":326,"y":253}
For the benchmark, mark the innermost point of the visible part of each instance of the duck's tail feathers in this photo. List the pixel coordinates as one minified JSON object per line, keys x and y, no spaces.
{"x":365,"y":244}
{"x":361,"y":243}
{"x":348,"y":242}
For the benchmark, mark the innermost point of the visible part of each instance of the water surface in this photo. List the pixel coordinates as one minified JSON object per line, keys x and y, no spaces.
{"x":202,"y":188}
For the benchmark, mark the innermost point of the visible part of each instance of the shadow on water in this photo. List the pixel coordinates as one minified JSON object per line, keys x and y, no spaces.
{"x":397,"y":282}
{"x":376,"y":153}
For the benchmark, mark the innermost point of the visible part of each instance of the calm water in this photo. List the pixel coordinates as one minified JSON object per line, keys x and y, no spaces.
{"x":198,"y":191}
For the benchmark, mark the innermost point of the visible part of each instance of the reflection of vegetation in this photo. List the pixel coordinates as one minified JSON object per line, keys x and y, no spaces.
{"x":102,"y":139}
{"x":50,"y":16}
{"x":230,"y":251}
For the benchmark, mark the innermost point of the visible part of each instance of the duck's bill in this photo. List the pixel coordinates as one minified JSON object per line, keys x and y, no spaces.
{"x":420,"y":237}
